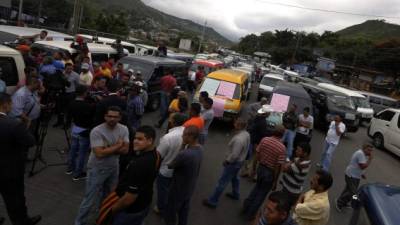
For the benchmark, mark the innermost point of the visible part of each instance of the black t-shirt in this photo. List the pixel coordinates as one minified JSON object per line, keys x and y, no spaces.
{"x":138,"y":178}
{"x":289,"y":120}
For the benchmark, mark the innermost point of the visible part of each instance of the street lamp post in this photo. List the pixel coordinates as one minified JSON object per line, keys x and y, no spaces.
{"x":21,"y":3}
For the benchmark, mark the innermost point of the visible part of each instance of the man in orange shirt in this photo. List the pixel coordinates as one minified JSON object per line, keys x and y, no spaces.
{"x":195,"y":119}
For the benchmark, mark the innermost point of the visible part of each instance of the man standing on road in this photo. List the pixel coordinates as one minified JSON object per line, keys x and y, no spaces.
{"x":271,"y":154}
{"x":81,"y":113}
{"x":290,"y":123}
{"x":14,"y":140}
{"x":169,"y":147}
{"x":135,"y":188}
{"x":250,"y":111}
{"x":336,"y":129}
{"x":304,"y":127}
{"x":237,"y":151}
{"x":168,"y":83}
{"x":258,"y":130}
{"x":313,"y":207}
{"x":26,"y":103}
{"x":208,"y":116}
{"x":108,"y":140}
{"x":135,"y":107}
{"x":186,"y":168}
{"x":360,"y":161}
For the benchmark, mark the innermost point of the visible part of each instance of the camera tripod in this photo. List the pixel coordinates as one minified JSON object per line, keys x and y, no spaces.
{"x":44,"y":120}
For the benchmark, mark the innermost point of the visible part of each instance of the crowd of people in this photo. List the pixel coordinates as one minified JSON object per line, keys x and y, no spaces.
{"x":103,"y":105}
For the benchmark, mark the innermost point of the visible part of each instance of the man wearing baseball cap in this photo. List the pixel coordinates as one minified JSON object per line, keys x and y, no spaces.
{"x":86,"y":76}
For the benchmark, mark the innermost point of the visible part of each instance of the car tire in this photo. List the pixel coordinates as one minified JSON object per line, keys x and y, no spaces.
{"x":378,"y":141}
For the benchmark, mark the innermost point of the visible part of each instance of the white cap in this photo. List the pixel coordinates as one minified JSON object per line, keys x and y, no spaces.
{"x":265,"y":109}
{"x":131,"y":71}
{"x":139,"y":83}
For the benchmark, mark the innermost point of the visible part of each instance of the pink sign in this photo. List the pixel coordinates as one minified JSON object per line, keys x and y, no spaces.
{"x":280,"y":102}
{"x":218,"y":107}
{"x":226,"y":89}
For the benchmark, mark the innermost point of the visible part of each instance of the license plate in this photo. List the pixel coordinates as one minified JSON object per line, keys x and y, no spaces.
{"x":350,"y":116}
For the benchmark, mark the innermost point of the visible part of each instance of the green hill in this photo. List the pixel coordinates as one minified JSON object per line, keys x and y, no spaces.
{"x":147,"y":18}
{"x":371,"y":29}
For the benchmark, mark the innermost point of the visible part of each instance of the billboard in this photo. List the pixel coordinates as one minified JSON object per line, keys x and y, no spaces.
{"x":185,"y":44}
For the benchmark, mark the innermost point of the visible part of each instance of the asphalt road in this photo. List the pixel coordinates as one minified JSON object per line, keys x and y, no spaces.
{"x":56,"y":197}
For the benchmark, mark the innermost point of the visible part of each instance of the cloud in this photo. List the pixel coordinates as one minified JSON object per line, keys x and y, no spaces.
{"x":237,"y":18}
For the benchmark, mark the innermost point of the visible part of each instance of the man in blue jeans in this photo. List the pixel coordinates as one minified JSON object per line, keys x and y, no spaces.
{"x":81,"y":113}
{"x":236,"y":155}
{"x":169,"y":147}
{"x":108,"y":140}
{"x":336,"y":129}
{"x":289,"y":120}
{"x":135,"y":188}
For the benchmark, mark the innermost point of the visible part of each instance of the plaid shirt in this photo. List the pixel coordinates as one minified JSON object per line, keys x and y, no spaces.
{"x":271,"y":152}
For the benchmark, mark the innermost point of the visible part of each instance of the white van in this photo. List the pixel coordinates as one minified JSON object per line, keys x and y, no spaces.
{"x":358,"y":101}
{"x":380,"y":102}
{"x":11,"y":67}
{"x":267,"y":85}
{"x":109,"y":41}
{"x":13,"y":33}
{"x":98,"y":52}
{"x":385,"y":130}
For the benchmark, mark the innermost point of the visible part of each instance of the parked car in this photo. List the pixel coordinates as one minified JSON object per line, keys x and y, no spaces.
{"x":376,"y":204}
{"x":238,"y":80}
{"x":385,"y":130}
{"x":267,"y":85}
{"x":188,"y":58}
{"x":11,"y":67}
{"x":359,"y":101}
{"x":380,"y":102}
{"x":152,"y":69}
{"x":327,"y":103}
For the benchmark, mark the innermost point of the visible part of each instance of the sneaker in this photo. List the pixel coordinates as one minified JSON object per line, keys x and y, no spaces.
{"x":80,"y":177}
{"x":232,"y":196}
{"x":338,"y":208}
{"x":156,"y":210}
{"x":208,"y":204}
{"x":68,"y":172}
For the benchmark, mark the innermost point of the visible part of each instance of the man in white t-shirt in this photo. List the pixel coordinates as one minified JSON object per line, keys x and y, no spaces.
{"x":304,"y":127}
{"x":360,"y":161}
{"x":335,"y":131}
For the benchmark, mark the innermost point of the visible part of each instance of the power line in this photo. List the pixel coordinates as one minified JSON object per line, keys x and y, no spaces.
{"x":329,"y":11}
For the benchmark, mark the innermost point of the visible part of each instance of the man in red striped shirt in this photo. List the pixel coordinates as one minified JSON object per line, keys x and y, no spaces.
{"x":270,"y":154}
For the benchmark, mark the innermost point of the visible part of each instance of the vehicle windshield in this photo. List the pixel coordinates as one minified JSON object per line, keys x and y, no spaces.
{"x":214,"y":88}
{"x":342,"y":101}
{"x":390,"y":103}
{"x":361,"y":102}
{"x":268,"y":81}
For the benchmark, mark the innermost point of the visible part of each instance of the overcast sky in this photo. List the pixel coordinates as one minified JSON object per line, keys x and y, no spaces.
{"x":237,"y":18}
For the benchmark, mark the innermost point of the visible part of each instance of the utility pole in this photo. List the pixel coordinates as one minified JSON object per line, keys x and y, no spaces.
{"x":80,"y":17}
{"x":75,"y":18}
{"x":297,"y":46}
{"x":39,"y":11}
{"x":21,"y":3}
{"x":202,"y":36}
